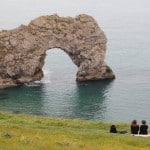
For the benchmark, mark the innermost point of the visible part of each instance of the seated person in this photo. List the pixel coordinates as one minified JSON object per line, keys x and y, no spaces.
{"x":134,"y":127}
{"x":113,"y":129}
{"x":143,"y":128}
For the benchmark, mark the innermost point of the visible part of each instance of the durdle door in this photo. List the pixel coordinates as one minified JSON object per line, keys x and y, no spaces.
{"x":23,"y":50}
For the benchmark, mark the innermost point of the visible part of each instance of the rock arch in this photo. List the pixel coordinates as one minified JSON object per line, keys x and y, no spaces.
{"x":23,"y":50}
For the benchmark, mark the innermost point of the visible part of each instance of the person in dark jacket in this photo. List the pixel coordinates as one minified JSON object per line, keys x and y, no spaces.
{"x":134,"y":127}
{"x":113,"y":129}
{"x":143,"y":128}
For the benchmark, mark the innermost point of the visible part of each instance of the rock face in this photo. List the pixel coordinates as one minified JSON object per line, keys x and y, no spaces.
{"x":23,"y":50}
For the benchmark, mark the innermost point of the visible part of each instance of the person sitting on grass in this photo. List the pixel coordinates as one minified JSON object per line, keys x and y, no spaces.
{"x":113,"y":129}
{"x":134,"y":127}
{"x":143,"y":128}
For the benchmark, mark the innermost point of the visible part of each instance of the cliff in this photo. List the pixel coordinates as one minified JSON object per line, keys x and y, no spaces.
{"x":23,"y":50}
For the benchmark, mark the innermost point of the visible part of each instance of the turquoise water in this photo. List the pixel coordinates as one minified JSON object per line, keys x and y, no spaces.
{"x":58,"y":94}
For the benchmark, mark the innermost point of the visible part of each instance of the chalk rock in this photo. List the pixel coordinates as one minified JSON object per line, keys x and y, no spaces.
{"x":23,"y":50}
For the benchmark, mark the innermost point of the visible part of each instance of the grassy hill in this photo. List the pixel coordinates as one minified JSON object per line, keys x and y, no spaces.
{"x":23,"y":132}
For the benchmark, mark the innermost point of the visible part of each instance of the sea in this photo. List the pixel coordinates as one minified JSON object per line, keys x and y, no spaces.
{"x":127,"y":27}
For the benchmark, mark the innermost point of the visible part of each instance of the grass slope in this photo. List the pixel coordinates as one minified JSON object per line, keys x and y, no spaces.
{"x":22,"y":132}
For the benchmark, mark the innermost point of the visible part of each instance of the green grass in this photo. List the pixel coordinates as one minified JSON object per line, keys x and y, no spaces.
{"x":23,"y":132}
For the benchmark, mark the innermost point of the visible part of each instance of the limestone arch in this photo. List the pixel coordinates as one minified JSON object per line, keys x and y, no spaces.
{"x":23,"y":49}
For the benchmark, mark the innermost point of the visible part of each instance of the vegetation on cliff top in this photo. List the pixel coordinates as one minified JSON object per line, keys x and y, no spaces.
{"x":22,"y":132}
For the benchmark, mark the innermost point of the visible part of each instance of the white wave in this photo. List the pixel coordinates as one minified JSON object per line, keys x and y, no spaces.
{"x":47,"y":76}
{"x":32,"y":84}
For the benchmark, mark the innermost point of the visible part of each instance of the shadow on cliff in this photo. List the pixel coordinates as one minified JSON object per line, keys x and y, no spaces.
{"x":91,"y":101}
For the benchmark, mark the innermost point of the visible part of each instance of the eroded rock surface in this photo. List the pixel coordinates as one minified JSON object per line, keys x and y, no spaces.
{"x":23,"y":50}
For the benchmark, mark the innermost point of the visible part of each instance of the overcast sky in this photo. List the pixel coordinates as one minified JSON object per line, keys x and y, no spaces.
{"x":16,"y":12}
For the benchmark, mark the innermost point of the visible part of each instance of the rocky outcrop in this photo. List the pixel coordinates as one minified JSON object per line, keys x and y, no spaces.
{"x":23,"y":50}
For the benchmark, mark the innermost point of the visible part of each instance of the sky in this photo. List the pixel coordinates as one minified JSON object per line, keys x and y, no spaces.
{"x":16,"y":12}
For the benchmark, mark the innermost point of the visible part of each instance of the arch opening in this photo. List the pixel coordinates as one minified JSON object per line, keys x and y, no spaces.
{"x":58,"y":67}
